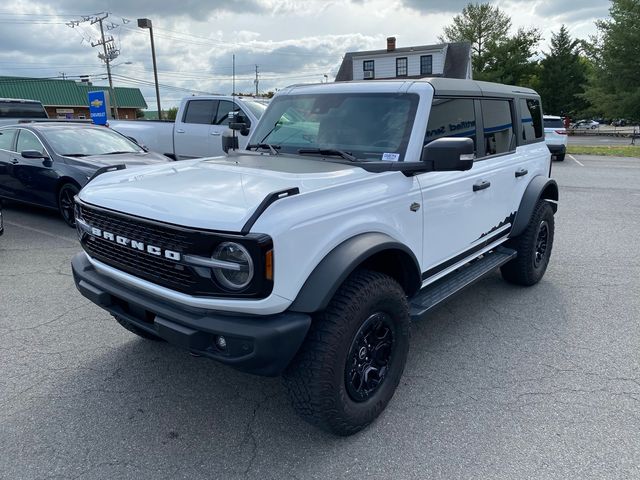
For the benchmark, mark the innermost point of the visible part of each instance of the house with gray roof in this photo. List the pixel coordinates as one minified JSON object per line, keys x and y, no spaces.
{"x":451,"y":60}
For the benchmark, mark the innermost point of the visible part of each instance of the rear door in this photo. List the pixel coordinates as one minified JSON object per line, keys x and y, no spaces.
{"x":193,"y":132}
{"x":8,"y":160}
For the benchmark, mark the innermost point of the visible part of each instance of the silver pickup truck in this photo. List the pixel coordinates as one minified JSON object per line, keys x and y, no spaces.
{"x":198,"y":127}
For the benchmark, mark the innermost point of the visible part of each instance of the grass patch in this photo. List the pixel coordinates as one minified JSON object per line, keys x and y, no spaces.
{"x":608,"y":150}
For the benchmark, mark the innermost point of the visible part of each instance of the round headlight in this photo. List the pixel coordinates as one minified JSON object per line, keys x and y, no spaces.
{"x":238,"y":272}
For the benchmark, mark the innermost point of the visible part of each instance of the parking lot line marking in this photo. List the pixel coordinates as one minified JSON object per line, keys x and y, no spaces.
{"x":59,"y":237}
{"x":574,"y":159}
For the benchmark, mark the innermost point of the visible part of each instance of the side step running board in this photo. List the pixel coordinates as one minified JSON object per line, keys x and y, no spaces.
{"x":439,"y":291}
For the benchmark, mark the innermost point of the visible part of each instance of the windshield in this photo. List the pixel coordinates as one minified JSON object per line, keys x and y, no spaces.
{"x":256,"y":108}
{"x":368,"y":126}
{"x":88,"y":141}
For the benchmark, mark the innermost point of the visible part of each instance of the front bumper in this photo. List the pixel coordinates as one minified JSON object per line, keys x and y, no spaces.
{"x":263,"y":345}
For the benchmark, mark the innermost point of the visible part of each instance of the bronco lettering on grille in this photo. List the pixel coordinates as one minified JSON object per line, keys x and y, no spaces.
{"x":136,"y":245}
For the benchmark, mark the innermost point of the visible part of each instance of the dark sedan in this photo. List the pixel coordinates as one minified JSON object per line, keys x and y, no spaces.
{"x":48,"y":163}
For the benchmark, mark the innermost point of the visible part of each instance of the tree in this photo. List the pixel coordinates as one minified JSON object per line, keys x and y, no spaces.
{"x":614,"y":88}
{"x":563,"y":75}
{"x":481,"y":24}
{"x":510,"y":60}
{"x":171,"y":113}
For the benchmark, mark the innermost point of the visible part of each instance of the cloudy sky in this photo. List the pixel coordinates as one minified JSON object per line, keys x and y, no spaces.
{"x":291,"y":41}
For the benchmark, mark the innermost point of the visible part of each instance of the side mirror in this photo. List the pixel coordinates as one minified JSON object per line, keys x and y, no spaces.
{"x":229,"y":141}
{"x":33,"y":154}
{"x":449,"y":154}
{"x":241,"y":127}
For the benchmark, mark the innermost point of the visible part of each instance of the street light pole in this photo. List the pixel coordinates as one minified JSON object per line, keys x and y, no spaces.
{"x":146,"y":23}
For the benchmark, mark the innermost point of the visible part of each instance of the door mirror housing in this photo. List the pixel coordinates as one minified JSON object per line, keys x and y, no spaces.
{"x":33,"y":154}
{"x":449,"y":154}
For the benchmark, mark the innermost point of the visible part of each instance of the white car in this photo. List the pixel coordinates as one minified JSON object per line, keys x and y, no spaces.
{"x":585,"y":125}
{"x":356,"y":209}
{"x":555,"y":136}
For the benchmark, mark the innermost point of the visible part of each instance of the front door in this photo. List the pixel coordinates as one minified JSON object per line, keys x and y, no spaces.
{"x":193,"y":133}
{"x":35,"y":178}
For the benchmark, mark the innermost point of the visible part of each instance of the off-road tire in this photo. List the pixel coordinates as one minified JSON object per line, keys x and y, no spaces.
{"x":138,"y":331}
{"x":525,"y":269}
{"x":316,"y":379}
{"x":560,"y":157}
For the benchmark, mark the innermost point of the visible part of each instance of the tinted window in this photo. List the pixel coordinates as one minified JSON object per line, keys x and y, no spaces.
{"x":6,"y":139}
{"x":28,"y":141}
{"x":497,"y":122}
{"x":200,"y":111}
{"x":553,"y":123}
{"x":531,"y":117}
{"x":224,"y":107}
{"x":22,"y":110}
{"x":451,"y":117}
{"x":367,"y":125}
{"x":87,"y":141}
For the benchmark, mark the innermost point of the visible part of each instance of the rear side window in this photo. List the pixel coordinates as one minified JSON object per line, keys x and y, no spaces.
{"x":498,"y":131}
{"x":531,"y":118}
{"x":22,"y":110}
{"x":451,"y":117}
{"x":6,"y":139}
{"x":200,"y":111}
{"x":553,"y":123}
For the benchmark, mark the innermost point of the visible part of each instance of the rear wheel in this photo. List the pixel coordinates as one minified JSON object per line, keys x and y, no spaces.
{"x":66,"y":203}
{"x":353,"y":357}
{"x":534,"y":248}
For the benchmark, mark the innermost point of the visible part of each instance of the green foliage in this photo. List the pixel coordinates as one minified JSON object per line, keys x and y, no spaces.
{"x":563,"y":75}
{"x":171,"y":113}
{"x":481,"y":24}
{"x":615,"y":88}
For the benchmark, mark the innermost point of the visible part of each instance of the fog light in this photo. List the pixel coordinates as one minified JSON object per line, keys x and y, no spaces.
{"x":221,"y":342}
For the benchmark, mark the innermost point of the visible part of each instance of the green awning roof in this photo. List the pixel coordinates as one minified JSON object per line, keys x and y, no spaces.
{"x":65,"y":93}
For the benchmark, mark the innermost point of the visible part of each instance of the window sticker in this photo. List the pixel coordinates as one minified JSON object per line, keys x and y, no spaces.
{"x":391,"y":157}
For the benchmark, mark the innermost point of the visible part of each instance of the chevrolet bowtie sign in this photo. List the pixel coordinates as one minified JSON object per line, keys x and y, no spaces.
{"x":98,"y":107}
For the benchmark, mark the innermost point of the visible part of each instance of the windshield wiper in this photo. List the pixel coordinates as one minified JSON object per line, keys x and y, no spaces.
{"x":272,"y":148}
{"x":329,"y":152}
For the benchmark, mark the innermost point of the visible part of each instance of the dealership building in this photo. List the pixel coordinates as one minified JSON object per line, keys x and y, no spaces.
{"x":69,"y":98}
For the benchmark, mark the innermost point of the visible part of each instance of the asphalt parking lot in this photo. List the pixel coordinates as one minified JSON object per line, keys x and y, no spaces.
{"x":501,"y":381}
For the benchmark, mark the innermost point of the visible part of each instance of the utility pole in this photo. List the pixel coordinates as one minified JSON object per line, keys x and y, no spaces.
{"x":256,"y":81}
{"x":109,"y":53}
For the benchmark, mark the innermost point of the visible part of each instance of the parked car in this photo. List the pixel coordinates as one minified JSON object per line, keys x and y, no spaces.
{"x":555,"y":136}
{"x":620,"y":122}
{"x":12,"y":110}
{"x":585,"y":125}
{"x":198,"y":128}
{"x":356,"y":208}
{"x":47,"y":164}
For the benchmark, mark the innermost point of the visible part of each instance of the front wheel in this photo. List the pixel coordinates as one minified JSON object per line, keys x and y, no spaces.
{"x":351,"y":362}
{"x":534,"y":248}
{"x":66,"y":203}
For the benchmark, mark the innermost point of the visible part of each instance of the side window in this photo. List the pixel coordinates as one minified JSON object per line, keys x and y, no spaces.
{"x":531,"y":118}
{"x":499,"y":134}
{"x":6,"y":138}
{"x":28,"y":141}
{"x":401,"y":67}
{"x":200,"y":111}
{"x":452,"y":117}
{"x":224,"y":108}
{"x":426,"y":64}
{"x":368,"y":67}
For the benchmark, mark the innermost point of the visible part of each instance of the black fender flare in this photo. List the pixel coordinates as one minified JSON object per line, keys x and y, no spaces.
{"x":539,"y":187}
{"x":339,"y":263}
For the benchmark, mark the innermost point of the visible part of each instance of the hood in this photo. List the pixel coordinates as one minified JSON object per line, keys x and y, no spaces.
{"x":215,"y":194}
{"x":129,"y":159}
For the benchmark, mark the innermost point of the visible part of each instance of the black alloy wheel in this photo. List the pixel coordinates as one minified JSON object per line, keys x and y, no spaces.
{"x":542,"y":241}
{"x":66,"y":203}
{"x":369,"y":357}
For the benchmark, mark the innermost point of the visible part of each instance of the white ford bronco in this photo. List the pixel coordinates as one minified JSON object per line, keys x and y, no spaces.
{"x":356,"y":208}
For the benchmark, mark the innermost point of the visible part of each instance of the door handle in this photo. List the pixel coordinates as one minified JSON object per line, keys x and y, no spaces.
{"x":481,"y":186}
{"x":522,"y":172}
{"x":217,"y":134}
{"x":180,"y":131}
{"x":15,"y":160}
